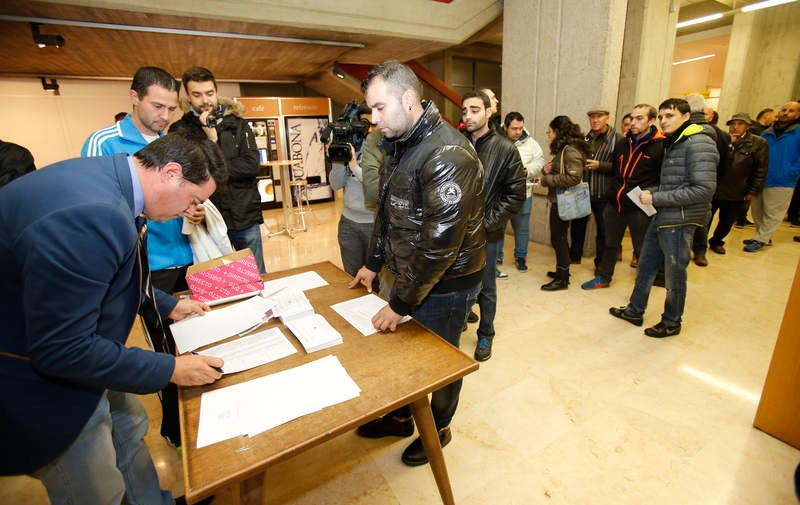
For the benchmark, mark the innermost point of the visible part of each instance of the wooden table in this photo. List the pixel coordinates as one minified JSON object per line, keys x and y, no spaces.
{"x":286,"y":195}
{"x":392,"y":370}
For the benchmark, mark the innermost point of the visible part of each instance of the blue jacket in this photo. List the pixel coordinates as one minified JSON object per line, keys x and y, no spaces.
{"x":69,"y":291}
{"x":784,"y":157}
{"x":167,"y":247}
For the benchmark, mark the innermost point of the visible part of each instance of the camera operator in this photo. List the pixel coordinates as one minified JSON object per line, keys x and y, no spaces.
{"x":359,"y":178}
{"x":210,"y":116}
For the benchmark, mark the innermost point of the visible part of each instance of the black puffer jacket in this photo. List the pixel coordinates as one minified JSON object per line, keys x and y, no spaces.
{"x":238,"y":201}
{"x":503,"y":182}
{"x":745,"y":170}
{"x":429,"y":226}
{"x":635,"y":166}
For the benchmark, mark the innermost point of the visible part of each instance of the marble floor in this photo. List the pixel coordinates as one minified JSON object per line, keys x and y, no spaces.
{"x":574,"y":407}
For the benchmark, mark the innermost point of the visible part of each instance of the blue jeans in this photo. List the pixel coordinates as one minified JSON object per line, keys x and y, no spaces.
{"x":520,"y":223}
{"x":249,"y":238}
{"x":487,"y":298}
{"x":109,"y":460}
{"x":446,"y":314}
{"x":671,"y":246}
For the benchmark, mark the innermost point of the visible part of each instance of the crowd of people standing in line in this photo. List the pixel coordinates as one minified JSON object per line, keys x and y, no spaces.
{"x":423,"y":220}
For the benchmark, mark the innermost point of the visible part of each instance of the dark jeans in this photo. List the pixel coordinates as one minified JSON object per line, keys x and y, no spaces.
{"x":578,"y":234}
{"x":637,"y":221}
{"x":729,"y":211}
{"x":558,"y":239}
{"x":487,"y":298}
{"x":249,"y":238}
{"x":444,"y":314}
{"x":672,"y":247}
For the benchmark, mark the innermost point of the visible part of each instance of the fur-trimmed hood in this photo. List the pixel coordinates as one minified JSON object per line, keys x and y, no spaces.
{"x":231,"y":105}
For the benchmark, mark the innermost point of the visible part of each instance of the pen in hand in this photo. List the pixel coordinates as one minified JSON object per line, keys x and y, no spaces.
{"x":218,"y":369}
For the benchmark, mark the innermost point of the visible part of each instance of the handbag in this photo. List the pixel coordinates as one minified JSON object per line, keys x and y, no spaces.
{"x":573,"y":202}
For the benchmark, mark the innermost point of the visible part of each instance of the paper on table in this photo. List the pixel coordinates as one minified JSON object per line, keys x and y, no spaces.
{"x":219,"y":324}
{"x":255,"y":406}
{"x":252,"y":351}
{"x":359,"y":312}
{"x":634,"y":196}
{"x":314,"y":332}
{"x":302,"y":282}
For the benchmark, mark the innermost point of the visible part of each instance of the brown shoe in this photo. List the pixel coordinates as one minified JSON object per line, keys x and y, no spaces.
{"x":718,"y":249}
{"x":700,"y":259}
{"x":634,"y":261}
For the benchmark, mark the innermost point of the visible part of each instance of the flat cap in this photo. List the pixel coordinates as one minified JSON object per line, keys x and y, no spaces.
{"x":597,"y":110}
{"x":741,"y":116}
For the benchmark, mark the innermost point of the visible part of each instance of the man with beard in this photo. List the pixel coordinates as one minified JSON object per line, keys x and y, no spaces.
{"x":428,"y":232}
{"x":238,"y":201}
{"x":768,"y":208}
{"x":503,"y":193}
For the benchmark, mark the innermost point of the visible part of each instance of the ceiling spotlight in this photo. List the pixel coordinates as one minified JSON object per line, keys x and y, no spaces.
{"x":50,"y":85}
{"x":337,"y":71}
{"x":43,"y":40}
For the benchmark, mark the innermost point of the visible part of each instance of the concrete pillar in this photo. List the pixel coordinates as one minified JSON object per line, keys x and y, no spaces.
{"x":647,"y":53}
{"x":763,"y":64}
{"x":561,"y":57}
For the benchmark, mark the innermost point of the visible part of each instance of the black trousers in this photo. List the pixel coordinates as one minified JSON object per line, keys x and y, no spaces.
{"x":558,"y":239}
{"x":578,"y":234}
{"x":635,"y":220}
{"x":729,"y":212}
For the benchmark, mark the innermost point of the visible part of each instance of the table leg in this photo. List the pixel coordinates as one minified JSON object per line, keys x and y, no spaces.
{"x":421,"y":410}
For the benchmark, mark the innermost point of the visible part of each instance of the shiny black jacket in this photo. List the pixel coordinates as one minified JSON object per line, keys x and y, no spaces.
{"x":745,"y":169}
{"x":238,"y":201}
{"x":503,"y":182}
{"x":429,"y":225}
{"x":635,"y":166}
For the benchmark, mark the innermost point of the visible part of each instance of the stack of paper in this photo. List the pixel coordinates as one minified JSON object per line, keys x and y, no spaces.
{"x":291,"y":304}
{"x":314,"y":332}
{"x":261,"y":404}
{"x":197,"y":331}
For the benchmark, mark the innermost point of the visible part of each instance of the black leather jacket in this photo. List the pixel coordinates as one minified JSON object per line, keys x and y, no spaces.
{"x":745,"y":169}
{"x":238,"y":201}
{"x":503,"y":182}
{"x":429,"y":226}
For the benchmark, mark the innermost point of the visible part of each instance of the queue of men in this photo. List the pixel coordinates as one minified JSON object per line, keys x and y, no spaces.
{"x":113,"y":247}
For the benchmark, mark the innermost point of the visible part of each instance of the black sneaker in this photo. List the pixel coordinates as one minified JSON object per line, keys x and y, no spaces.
{"x":521,"y":266}
{"x":483,"y":350}
{"x":387,"y":426}
{"x":472,"y":317}
{"x":661,"y":330}
{"x":621,"y":313}
{"x":414,"y":455}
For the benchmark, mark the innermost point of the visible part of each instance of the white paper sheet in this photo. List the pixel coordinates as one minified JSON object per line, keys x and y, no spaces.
{"x":258,"y":405}
{"x":301,"y":282}
{"x":252,"y":351}
{"x":634,"y":196}
{"x":219,"y":324}
{"x":359,"y":312}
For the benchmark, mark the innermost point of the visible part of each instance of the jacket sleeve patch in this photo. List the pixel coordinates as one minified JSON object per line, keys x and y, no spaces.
{"x":450,"y":193}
